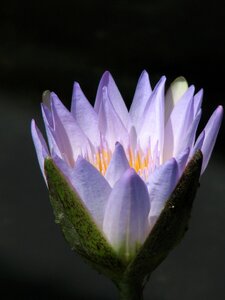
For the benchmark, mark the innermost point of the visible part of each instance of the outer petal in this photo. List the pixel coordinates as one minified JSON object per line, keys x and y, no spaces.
{"x":142,"y":93}
{"x":211,"y":132}
{"x":182,"y":160}
{"x":65,"y":169}
{"x":198,"y":143}
{"x":70,"y":138}
{"x":46,"y":109}
{"x":48,"y":121}
{"x":40,"y":146}
{"x":187,"y":140}
{"x":114,"y":96}
{"x":153,"y":122}
{"x":85,"y":115}
{"x":118,"y":165}
{"x":91,"y":186}
{"x":178,"y":124}
{"x":161,"y":184}
{"x":126,"y":216}
{"x":176,"y":90}
{"x":110,"y":124}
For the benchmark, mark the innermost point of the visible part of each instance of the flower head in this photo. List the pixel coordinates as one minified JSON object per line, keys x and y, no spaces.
{"x":123,"y":164}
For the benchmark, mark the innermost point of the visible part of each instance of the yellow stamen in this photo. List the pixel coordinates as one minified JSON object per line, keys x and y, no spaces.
{"x":138,"y":160}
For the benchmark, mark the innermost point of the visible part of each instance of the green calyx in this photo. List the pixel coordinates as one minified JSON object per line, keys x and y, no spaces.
{"x":86,"y":239}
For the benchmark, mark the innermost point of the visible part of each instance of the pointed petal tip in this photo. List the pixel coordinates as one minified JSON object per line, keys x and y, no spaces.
{"x":80,"y":160}
{"x":220,"y":110}
{"x":163,"y":79}
{"x":76,"y":93}
{"x":201,"y":91}
{"x":160,"y":83}
{"x":211,"y":131}
{"x":117,"y":166}
{"x":40,"y":146}
{"x":192,"y":88}
{"x":130,"y":174}
{"x":106,"y":73}
{"x":53,"y":100}
{"x":172,"y":161}
{"x":32,"y":123}
{"x":82,"y":163}
{"x":144,"y":73}
{"x":118,"y":145}
{"x":33,"y":127}
{"x":76,"y":85}
{"x":105,"y":76}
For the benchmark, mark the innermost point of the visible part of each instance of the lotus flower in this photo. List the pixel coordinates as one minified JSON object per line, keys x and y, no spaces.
{"x":123,"y":164}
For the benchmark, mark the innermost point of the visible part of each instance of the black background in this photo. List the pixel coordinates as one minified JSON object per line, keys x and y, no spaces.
{"x":48,"y":45}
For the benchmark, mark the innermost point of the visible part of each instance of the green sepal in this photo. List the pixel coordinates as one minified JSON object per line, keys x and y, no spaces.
{"x":77,"y":225}
{"x":170,"y":226}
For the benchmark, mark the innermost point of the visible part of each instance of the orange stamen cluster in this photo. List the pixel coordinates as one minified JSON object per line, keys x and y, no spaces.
{"x":138,"y":160}
{"x":102,"y":159}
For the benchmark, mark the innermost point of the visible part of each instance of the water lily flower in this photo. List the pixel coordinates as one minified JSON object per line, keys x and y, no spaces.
{"x":124,"y":165}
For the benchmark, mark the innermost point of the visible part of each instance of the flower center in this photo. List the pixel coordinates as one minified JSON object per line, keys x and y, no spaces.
{"x":138,"y":160}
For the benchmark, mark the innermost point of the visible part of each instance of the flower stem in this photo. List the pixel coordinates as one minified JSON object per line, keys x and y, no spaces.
{"x":130,"y":290}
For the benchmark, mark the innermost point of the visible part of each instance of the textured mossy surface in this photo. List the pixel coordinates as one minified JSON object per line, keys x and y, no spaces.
{"x":79,"y":229}
{"x":85,"y":238}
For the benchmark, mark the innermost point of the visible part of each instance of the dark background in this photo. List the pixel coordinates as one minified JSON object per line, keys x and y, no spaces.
{"x":48,"y":45}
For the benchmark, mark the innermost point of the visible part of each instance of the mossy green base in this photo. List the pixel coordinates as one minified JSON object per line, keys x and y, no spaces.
{"x":85,"y":238}
{"x":77,"y":225}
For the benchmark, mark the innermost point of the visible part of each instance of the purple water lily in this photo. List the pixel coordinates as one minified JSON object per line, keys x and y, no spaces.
{"x":124,"y":164}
